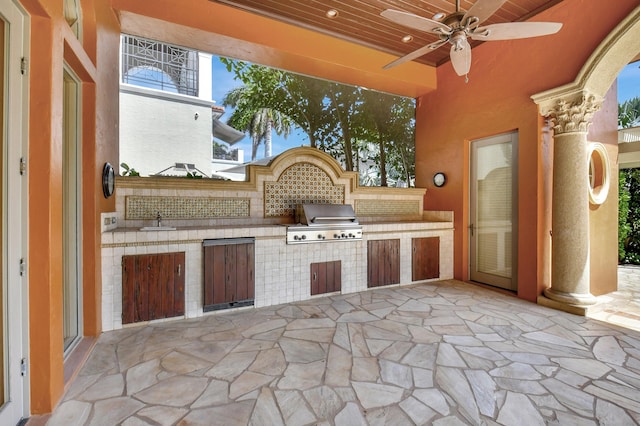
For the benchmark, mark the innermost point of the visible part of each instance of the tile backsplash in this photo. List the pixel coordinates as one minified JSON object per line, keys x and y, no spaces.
{"x":184,"y":208}
{"x":268,"y":196}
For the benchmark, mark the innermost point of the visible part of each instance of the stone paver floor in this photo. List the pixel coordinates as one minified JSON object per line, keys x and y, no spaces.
{"x":621,"y":307}
{"x":444,"y":353}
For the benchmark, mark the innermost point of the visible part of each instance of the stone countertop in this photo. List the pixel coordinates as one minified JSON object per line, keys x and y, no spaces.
{"x":189,"y":234}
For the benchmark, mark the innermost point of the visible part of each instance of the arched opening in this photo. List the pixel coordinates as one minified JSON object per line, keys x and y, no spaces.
{"x":574,"y":282}
{"x":150,"y":77}
{"x":619,"y":53}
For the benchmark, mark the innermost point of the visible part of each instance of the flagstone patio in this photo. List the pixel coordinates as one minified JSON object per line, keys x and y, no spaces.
{"x":444,"y":353}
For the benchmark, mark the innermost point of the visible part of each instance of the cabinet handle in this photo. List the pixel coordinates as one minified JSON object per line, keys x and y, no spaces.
{"x":315,"y":276}
{"x":179,"y":268}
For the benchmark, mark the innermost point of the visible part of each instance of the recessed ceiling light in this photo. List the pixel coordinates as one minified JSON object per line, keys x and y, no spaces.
{"x":407,"y":39}
{"x":332,"y":13}
{"x":438,"y":16}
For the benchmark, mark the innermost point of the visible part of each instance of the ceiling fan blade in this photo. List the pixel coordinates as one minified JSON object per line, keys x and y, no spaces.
{"x":461,"y":57}
{"x":416,"y":22}
{"x":515,"y":30}
{"x":482,"y":9}
{"x":415,"y":54}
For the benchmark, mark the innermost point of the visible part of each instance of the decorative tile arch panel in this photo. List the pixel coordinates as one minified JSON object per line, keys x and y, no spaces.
{"x":300,"y":183}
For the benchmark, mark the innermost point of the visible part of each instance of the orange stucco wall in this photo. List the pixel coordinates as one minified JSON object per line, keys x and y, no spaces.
{"x":52,"y":44}
{"x":504,"y":74}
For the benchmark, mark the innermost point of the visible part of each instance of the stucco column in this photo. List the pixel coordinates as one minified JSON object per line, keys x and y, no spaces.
{"x":570,"y":281}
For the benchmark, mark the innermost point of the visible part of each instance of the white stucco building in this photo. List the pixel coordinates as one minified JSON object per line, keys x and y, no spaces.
{"x":167,"y":116}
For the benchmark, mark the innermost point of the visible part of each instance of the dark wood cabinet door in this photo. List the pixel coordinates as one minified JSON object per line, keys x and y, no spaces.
{"x":383,"y":262}
{"x":326,"y":277}
{"x":152,"y":286}
{"x":425,"y":259}
{"x":229,"y":275}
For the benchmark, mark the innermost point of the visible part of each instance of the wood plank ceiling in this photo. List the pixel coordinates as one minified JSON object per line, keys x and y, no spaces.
{"x":359,"y":21}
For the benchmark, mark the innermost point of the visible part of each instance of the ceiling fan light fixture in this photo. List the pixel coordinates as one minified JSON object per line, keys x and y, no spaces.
{"x":407,"y":39}
{"x":456,"y":27}
{"x":460,"y":55}
{"x":332,"y":13}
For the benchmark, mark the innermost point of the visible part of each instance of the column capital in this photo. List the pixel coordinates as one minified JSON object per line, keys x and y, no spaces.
{"x":571,"y":113}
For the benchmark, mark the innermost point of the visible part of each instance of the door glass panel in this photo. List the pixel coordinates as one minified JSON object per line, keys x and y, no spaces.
{"x":71,"y":213}
{"x":491,"y":221}
{"x":3,"y":290}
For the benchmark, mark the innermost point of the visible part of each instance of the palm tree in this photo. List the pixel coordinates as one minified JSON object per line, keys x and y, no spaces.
{"x":629,"y":113}
{"x":250,"y":115}
{"x":263,"y":123}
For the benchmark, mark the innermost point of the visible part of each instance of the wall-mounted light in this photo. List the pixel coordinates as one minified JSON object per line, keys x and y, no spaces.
{"x":439,"y":179}
{"x":332,"y":13}
{"x":407,"y":39}
{"x":108,"y":180}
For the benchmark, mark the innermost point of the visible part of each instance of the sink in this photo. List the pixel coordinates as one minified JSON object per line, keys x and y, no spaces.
{"x":158,"y":228}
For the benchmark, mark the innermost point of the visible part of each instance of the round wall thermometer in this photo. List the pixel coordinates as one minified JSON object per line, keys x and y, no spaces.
{"x":439,"y":179}
{"x":108,"y":180}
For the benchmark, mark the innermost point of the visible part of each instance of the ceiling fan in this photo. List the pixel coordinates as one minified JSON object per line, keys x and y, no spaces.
{"x":458,"y":26}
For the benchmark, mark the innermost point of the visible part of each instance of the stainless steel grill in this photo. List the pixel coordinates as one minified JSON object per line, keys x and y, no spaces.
{"x":324,"y":223}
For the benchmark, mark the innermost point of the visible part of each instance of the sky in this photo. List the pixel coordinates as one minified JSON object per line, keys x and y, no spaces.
{"x":629,"y":82}
{"x":223,"y":82}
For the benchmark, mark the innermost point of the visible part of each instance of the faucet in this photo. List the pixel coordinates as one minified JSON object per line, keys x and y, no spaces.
{"x":159,"y":219}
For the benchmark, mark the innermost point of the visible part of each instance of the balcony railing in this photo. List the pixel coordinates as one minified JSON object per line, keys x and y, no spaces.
{"x":157,"y":65}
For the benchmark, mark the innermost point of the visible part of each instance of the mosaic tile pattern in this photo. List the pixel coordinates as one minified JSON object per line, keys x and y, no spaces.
{"x":147,"y":207}
{"x":300,"y":183}
{"x":393,"y":208}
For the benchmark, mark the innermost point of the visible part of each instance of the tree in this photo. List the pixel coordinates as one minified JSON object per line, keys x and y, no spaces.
{"x":251,"y":115}
{"x":629,"y":113}
{"x":629,"y":193}
{"x":340,"y":119}
{"x":344,"y":103}
{"x":303,"y":100}
{"x":253,"y":104}
{"x":391,"y":122}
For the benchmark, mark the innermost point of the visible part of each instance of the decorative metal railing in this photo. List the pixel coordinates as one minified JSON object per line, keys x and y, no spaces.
{"x":159,"y":65}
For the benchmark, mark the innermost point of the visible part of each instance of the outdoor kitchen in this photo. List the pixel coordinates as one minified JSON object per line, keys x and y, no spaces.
{"x":298,"y":228}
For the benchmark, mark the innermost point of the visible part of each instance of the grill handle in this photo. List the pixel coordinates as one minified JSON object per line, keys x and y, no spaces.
{"x":334,"y":218}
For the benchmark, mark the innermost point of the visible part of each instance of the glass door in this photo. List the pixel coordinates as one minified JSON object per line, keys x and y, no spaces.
{"x":492,"y":218}
{"x":71,"y":210}
{"x":13,"y":323}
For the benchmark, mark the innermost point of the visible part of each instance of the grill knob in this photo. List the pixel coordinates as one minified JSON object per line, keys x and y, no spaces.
{"x":336,"y":236}
{"x":344,"y":236}
{"x":304,"y":237}
{"x":351,"y":235}
{"x":321,"y":237}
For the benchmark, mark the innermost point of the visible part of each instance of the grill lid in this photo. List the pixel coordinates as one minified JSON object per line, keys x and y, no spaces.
{"x":325,"y":214}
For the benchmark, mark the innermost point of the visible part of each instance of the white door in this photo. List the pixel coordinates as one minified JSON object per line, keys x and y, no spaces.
{"x":13,"y":323}
{"x":492,"y":218}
